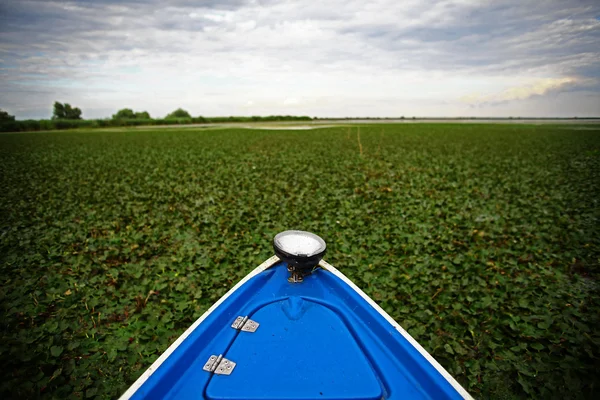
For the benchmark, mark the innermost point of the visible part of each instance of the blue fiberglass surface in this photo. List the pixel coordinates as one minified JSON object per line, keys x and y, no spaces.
{"x":318,"y":339}
{"x":302,"y":350}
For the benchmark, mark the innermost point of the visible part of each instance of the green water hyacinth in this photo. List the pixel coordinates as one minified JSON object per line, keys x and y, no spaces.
{"x":481,"y":240}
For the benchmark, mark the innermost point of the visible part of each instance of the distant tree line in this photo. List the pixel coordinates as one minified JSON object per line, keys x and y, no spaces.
{"x":65,"y":116}
{"x":127,"y":113}
{"x":6,"y":117}
{"x":65,"y":111}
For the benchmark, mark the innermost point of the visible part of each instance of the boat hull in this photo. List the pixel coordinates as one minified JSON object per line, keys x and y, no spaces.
{"x":322,"y":338}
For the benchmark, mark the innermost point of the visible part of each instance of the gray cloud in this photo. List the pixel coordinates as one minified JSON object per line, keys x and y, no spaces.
{"x":288,"y":56}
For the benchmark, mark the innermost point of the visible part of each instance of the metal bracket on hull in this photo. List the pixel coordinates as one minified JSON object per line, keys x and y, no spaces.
{"x":219,"y":365}
{"x":297,"y":274}
{"x":244,"y":324}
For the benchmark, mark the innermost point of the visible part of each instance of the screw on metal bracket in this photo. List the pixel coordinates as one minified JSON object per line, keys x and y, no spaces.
{"x":245,"y":324}
{"x":296,"y":276}
{"x":219,"y":365}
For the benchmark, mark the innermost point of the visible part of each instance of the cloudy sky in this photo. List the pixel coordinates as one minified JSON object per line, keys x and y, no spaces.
{"x":303,"y":57}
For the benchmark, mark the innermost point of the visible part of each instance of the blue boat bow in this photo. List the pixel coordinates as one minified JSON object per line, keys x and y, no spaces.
{"x":271,"y":337}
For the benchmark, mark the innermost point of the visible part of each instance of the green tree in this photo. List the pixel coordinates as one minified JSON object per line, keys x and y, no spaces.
{"x":179,"y":113}
{"x":59,"y":111}
{"x":128,"y":113}
{"x":142,"y":115}
{"x":72,"y":112}
{"x":65,"y":111}
{"x":125,"y":113}
{"x":4,"y":116}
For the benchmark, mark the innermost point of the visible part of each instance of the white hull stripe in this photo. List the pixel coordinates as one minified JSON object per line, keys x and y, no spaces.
{"x":413,"y":342}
